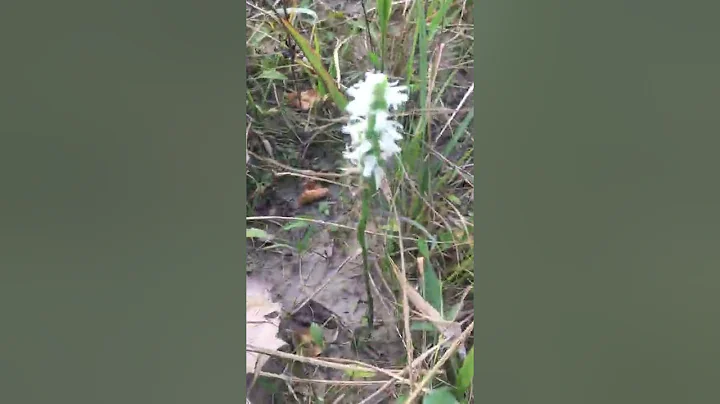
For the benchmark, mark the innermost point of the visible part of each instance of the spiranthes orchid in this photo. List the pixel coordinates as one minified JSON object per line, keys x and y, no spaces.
{"x":374,"y":138}
{"x":373,"y":134}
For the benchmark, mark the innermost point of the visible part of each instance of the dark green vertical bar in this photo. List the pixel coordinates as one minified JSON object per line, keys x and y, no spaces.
{"x":242,"y":247}
{"x":598,"y":202}
{"x":121,"y":202}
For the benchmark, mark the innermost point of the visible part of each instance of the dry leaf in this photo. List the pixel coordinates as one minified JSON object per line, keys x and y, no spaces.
{"x":449,"y":329}
{"x":260,"y":331}
{"x":311,"y":195}
{"x":310,"y":184}
{"x":421,"y":267}
{"x":305,"y":343}
{"x":307,"y":99}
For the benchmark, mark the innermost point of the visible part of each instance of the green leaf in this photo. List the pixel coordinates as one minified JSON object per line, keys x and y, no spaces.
{"x":449,"y":148}
{"x":446,"y":238}
{"x":454,"y":199}
{"x":452,"y":311}
{"x":375,"y":60}
{"x":435,"y":23}
{"x":432,"y":288}
{"x":272,"y":74}
{"x":422,"y":43}
{"x":460,"y":131}
{"x":401,"y":399}
{"x":252,"y":232}
{"x":259,"y":36}
{"x":316,"y":62}
{"x":391,"y":226}
{"x":303,"y":245}
{"x":384,"y":7}
{"x":466,"y":372}
{"x":316,"y":333}
{"x":359,"y":374}
{"x":277,"y":246}
{"x":440,"y":396}
{"x":270,"y":385}
{"x":422,"y":326}
{"x":423,"y":248}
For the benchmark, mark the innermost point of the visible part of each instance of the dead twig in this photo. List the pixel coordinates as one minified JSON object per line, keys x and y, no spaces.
{"x":292,"y":379}
{"x":327,"y":364}
{"x":435,"y":369}
{"x":417,"y":362}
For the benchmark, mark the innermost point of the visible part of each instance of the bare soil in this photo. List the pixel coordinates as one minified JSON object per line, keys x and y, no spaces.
{"x":323,"y":284}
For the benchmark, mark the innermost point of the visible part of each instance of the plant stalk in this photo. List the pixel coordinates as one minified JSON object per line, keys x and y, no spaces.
{"x":364,"y":214}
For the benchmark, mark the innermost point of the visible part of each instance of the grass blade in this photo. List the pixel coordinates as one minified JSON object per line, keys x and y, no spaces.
{"x":432,"y":288}
{"x":466,"y":372}
{"x":450,"y":146}
{"x":316,"y":62}
{"x":384,"y":8}
{"x":438,"y":18}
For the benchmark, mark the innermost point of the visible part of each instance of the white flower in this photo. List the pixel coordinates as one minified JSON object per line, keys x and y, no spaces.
{"x":386,"y":132}
{"x":358,"y":151}
{"x":389,"y":134}
{"x":363,"y":94}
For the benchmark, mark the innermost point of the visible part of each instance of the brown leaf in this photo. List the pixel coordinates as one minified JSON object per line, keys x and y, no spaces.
{"x":260,"y":331}
{"x":449,"y":329}
{"x":310,"y":184}
{"x":311,"y":195}
{"x":307,"y":99}
{"x":305,"y":344}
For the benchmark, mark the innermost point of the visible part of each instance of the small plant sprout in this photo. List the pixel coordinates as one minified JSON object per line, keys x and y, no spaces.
{"x":373,"y":135}
{"x":373,"y":140}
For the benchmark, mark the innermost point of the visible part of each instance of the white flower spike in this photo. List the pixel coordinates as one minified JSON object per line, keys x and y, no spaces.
{"x":372,"y":99}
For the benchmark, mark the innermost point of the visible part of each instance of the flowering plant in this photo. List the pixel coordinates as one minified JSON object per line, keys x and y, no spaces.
{"x":373,"y":134}
{"x":373,"y":141}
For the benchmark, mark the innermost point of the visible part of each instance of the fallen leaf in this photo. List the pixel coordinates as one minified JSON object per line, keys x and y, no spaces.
{"x":311,"y":195}
{"x":307,"y":99}
{"x":260,"y":331}
{"x":310,"y":184}
{"x":449,"y":329}
{"x":252,"y":232}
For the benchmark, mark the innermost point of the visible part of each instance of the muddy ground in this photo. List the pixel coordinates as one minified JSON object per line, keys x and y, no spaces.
{"x":324,"y":285}
{"x":321,"y":284}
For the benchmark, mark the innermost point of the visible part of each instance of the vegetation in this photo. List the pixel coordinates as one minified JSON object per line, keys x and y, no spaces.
{"x":302,"y":58}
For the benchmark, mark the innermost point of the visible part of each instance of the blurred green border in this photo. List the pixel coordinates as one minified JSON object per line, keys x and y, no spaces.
{"x":243,"y":187}
{"x":597,"y":217}
{"x":121,"y":201}
{"x":480,"y":275}
{"x":597,"y":159}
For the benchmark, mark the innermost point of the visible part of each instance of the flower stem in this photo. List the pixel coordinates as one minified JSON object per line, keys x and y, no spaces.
{"x":364,"y":214}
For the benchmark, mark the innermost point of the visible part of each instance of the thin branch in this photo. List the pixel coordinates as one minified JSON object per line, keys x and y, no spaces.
{"x":435,"y":369}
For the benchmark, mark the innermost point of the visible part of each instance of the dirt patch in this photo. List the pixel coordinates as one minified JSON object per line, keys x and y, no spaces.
{"x":323,"y":284}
